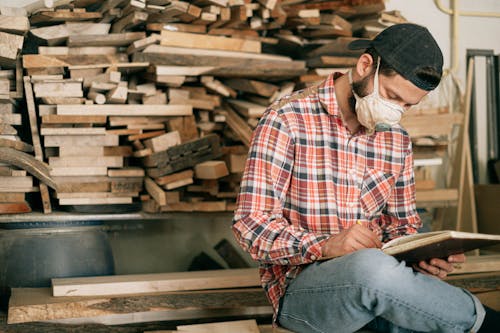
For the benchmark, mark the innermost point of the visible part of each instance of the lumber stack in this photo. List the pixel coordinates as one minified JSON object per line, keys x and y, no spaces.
{"x":156,"y":101}
{"x":14,"y":181}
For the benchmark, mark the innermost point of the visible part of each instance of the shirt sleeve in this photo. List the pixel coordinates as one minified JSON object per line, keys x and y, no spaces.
{"x":400,"y":216}
{"x":258,"y":223}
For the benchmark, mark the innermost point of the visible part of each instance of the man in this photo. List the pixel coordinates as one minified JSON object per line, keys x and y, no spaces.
{"x":330,"y":175}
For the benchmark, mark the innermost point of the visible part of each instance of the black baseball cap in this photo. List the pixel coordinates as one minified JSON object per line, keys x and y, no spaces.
{"x":406,"y":47}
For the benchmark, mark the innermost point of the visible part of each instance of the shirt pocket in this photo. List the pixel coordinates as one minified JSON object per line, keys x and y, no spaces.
{"x":375,"y":191}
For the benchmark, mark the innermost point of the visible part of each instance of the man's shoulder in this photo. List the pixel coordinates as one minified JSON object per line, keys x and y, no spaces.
{"x":295,"y":100}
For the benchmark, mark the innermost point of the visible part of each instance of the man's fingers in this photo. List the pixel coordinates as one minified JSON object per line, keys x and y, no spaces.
{"x":367,"y":237}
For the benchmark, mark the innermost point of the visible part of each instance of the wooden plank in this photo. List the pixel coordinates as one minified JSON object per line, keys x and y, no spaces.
{"x":431,"y":125}
{"x":160,"y":282}
{"x":37,"y":304}
{"x":155,"y":191}
{"x":78,"y":50}
{"x":75,"y":161}
{"x":478,"y":264}
{"x":332,"y":61}
{"x":12,"y":197}
{"x":242,"y":64}
{"x":95,"y":201}
{"x":83,"y":184}
{"x":58,"y":34}
{"x":81,"y":140}
{"x":62,"y":88}
{"x":73,"y":130}
{"x":199,"y":41}
{"x":75,"y":195}
{"x":14,"y":207}
{"x":69,"y":119}
{"x":163,"y":142}
{"x":125,"y":110}
{"x":253,"y":86}
{"x":14,"y":24}
{"x":10,"y":46}
{"x":240,"y":326}
{"x":16,"y":182}
{"x":168,"y":179}
{"x":63,"y":16}
{"x":247,"y":109}
{"x":126,"y":172}
{"x":78,"y":171}
{"x":112,"y":39}
{"x":32,"y":61}
{"x":35,"y":137}
{"x":239,"y":126}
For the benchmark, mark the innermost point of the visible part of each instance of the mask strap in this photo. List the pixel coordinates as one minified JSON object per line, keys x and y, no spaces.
{"x":375,"y":81}
{"x":349,"y":74}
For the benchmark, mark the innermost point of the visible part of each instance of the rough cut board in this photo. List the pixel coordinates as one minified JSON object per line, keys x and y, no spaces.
{"x":162,"y":282}
{"x":199,"y":41}
{"x":57,"y":34}
{"x":37,"y":304}
{"x":125,"y":110}
{"x":239,"y":326}
{"x":14,"y":24}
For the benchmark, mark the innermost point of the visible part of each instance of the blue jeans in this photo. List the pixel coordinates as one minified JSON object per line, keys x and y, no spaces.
{"x":370,"y":289}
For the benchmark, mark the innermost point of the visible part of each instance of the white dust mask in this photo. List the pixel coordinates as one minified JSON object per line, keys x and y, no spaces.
{"x":374,"y":112}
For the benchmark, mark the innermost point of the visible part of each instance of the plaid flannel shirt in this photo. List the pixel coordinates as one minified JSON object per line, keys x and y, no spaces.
{"x":307,"y":178}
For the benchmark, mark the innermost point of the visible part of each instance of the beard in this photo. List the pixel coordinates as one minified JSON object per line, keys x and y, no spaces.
{"x":360,"y":88}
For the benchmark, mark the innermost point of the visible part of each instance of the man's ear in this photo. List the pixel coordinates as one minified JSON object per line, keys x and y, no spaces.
{"x":364,"y":65}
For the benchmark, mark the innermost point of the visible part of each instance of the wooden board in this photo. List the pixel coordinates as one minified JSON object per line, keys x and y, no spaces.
{"x":160,"y":282}
{"x":35,"y":136}
{"x":75,"y":161}
{"x":58,"y":34}
{"x":125,"y":110}
{"x":240,"y":326}
{"x":14,"y":24}
{"x":37,"y":304}
{"x":14,"y":207}
{"x":112,"y":39}
{"x":199,"y":41}
{"x":40,"y":61}
{"x":227,"y":63}
{"x":81,"y":140}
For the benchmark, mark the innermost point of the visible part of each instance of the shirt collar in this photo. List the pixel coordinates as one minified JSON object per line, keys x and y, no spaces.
{"x":326,"y":94}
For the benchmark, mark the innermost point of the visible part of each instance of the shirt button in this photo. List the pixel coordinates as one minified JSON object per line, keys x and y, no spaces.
{"x":313,"y":257}
{"x":352,"y":204}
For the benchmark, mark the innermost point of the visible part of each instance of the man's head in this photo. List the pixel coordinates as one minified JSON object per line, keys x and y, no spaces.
{"x":406,"y":49}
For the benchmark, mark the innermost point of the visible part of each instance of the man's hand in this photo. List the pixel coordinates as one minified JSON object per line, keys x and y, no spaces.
{"x":439,"y":268}
{"x":355,"y":238}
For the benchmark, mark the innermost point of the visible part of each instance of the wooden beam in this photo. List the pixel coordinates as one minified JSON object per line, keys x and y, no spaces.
{"x":112,"y":39}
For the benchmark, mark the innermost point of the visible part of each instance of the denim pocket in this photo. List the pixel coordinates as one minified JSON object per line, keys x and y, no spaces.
{"x":375,"y":191}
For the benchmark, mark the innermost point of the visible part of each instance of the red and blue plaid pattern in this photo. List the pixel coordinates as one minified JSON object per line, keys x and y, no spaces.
{"x":308,"y":178}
